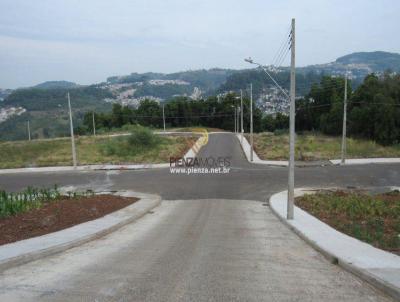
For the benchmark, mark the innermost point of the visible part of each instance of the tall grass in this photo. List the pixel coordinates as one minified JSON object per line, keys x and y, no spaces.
{"x":32,"y":198}
{"x":14,"y":203}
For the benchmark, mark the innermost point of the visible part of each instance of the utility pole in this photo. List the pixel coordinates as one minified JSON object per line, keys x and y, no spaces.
{"x":241,"y":113}
{"x":72,"y":133}
{"x":290,"y":200}
{"x":238,"y":119}
{"x":344,"y":145}
{"x":163,"y":115}
{"x":29,"y":131}
{"x":234,"y":117}
{"x":94,"y":125}
{"x":251,"y":122}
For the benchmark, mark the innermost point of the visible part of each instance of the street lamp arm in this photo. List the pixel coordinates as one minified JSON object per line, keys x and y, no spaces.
{"x":249,"y":60}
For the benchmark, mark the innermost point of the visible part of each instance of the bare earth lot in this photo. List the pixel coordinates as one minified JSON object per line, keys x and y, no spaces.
{"x":59,"y":214}
{"x":374,"y":219}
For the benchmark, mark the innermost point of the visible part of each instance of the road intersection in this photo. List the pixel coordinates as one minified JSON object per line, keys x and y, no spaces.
{"x":212,"y":239}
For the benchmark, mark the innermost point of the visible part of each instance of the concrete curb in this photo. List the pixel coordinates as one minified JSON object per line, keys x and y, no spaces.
{"x":283,"y":163}
{"x":377,"y":267}
{"x":28,"y":250}
{"x":366,"y":161}
{"x":256,"y":160}
{"x":84,"y":168}
{"x":195,"y":149}
{"x":192,"y":152}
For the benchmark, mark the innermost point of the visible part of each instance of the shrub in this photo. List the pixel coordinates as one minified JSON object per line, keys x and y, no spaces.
{"x":143,"y":137}
{"x":279,"y":132}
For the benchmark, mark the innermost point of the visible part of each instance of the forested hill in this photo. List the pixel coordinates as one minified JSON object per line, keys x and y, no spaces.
{"x":205,"y":79}
{"x":376,"y":61}
{"x":45,"y":104}
{"x":56,"y":85}
{"x":356,"y":65}
{"x":37,"y":99}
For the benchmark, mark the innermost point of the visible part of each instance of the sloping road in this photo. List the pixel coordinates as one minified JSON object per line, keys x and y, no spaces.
{"x":211,"y":240}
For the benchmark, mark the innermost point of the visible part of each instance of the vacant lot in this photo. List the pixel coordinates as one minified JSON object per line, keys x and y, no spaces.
{"x":318,"y":147}
{"x":374,"y":219}
{"x":92,"y":150}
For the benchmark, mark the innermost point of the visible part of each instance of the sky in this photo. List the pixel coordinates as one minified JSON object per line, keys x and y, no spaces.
{"x":86,"y":41}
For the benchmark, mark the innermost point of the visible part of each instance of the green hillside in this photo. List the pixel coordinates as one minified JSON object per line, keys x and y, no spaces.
{"x":56,"y":85}
{"x":35,"y":99}
{"x":377,"y":60}
{"x":47,"y":110}
{"x":46,"y":103}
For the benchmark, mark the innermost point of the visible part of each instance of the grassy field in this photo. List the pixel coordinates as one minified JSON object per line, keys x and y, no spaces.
{"x":318,"y":147}
{"x":128,"y":128}
{"x":196,"y":129}
{"x":91,"y":150}
{"x":374,"y":219}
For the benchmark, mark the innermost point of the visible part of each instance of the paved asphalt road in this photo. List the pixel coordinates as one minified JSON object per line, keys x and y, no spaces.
{"x":210,"y":240}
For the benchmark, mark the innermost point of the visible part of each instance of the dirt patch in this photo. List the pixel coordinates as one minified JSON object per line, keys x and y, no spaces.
{"x":374,"y":219}
{"x":58,"y":215}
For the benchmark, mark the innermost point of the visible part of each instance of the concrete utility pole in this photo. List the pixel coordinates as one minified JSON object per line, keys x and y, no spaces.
{"x":235,"y":117}
{"x":163,"y":116}
{"x":94,"y":124}
{"x":251,"y":122}
{"x":241,"y":114}
{"x":29,"y":131}
{"x":290,"y":200}
{"x":72,"y":133}
{"x":344,"y":145}
{"x":238,"y":119}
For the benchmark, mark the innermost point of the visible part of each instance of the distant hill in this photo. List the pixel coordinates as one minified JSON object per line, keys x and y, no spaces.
{"x":376,"y":61}
{"x":356,"y":65}
{"x":165,"y":86}
{"x":47,"y":110}
{"x":4,"y":93}
{"x":46,"y":102}
{"x":56,"y":85}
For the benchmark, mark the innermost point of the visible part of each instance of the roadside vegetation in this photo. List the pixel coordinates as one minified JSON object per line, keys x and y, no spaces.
{"x":126,"y":129}
{"x":36,"y":212}
{"x":31,"y":198}
{"x":315,"y":146}
{"x":141,"y":146}
{"x":374,"y":219}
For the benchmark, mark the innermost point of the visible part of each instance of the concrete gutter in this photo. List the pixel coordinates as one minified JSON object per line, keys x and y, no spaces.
{"x":192,"y":152}
{"x":24,"y":251}
{"x":378,"y":267}
{"x":283,"y":163}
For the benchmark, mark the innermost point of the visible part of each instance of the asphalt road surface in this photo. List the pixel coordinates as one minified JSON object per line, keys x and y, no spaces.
{"x":212,"y":239}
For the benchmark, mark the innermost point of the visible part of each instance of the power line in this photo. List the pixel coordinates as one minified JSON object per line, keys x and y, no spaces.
{"x":282,"y":46}
{"x":283,"y":57}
